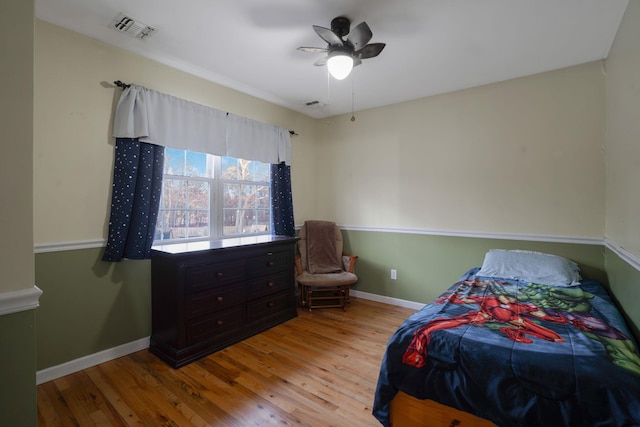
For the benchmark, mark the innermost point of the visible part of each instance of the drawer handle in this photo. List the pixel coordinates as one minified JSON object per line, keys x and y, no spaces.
{"x":219,"y":299}
{"x":270,"y":284}
{"x":271,"y":304}
{"x":271,"y":264}
{"x":219,"y":275}
{"x":219,"y":322}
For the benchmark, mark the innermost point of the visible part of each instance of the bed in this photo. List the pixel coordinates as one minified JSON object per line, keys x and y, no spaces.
{"x":521,"y":341}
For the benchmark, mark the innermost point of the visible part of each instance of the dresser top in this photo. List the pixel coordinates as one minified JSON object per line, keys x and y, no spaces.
{"x":238,"y":242}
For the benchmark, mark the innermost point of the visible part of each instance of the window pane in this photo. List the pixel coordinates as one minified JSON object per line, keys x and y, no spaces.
{"x":262,"y":172}
{"x":198,"y":194}
{"x":263,"y":198}
{"x":264,"y":218}
{"x":185,"y":163}
{"x":184,"y":209}
{"x":196,"y":164}
{"x":198,"y":223}
{"x":174,"y":224}
{"x":166,"y":224}
{"x":245,"y":170}
{"x":174,"y":194}
{"x":246,"y":221}
{"x":249,"y":221}
{"x":160,"y":227}
{"x":248,"y":196}
{"x":229,"y":168}
{"x":173,"y":161}
{"x":231,"y":222}
{"x":231,"y":194}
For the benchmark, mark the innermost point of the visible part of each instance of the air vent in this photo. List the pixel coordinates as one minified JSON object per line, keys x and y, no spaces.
{"x":132,"y":27}
{"x":314,"y":104}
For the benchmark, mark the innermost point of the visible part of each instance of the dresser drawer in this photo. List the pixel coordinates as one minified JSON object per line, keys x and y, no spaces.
{"x":269,"y":305}
{"x":266,"y":285}
{"x":269,"y":263}
{"x":215,"y":325}
{"x":212,"y":275}
{"x":214,"y":299}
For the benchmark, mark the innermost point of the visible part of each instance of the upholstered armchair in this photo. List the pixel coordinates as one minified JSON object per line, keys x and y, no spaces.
{"x":324,"y":273}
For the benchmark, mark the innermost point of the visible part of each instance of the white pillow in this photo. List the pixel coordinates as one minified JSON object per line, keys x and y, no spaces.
{"x":529,"y":266}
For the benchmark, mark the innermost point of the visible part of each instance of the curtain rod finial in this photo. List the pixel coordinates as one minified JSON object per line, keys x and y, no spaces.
{"x":120,"y":84}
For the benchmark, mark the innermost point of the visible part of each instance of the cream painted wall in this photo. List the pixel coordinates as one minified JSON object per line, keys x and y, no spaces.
{"x":623,"y":134}
{"x":422,"y":165}
{"x":522,"y":156}
{"x":73,"y":150}
{"x":16,"y":166}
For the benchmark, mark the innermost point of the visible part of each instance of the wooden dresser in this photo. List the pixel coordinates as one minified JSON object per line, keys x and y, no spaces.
{"x":208,"y":295}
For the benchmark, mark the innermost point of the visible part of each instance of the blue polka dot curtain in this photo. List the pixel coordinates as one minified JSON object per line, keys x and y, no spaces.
{"x":281,"y":200}
{"x":135,"y":199}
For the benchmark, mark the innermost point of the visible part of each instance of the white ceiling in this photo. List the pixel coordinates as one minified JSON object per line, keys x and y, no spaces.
{"x":433,"y":46}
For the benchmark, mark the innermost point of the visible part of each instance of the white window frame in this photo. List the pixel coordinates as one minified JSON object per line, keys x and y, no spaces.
{"x":216,"y":202}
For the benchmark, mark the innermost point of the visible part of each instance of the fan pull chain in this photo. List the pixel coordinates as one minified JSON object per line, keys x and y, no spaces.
{"x":328,"y":89}
{"x":353,"y":97}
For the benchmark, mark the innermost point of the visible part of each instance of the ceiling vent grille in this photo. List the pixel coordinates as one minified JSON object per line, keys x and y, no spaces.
{"x":126,"y":24}
{"x":314,"y":104}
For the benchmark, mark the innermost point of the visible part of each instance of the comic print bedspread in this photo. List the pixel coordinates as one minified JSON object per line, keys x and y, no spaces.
{"x":517,"y":354}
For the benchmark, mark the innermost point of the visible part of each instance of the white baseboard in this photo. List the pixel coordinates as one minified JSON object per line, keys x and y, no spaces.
{"x":387,"y":300}
{"x":91,"y":360}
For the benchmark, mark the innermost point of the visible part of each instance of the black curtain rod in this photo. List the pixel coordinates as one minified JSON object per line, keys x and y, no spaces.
{"x":120,"y":84}
{"x":125,"y":85}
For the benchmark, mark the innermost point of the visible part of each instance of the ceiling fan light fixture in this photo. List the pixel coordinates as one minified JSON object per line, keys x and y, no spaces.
{"x":340,"y":65}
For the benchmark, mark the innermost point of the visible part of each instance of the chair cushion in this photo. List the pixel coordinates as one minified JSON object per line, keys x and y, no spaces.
{"x":322,"y":254}
{"x":328,"y":279}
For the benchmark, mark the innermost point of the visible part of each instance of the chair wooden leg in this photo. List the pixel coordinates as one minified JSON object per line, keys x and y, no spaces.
{"x":301,"y":296}
{"x":315,"y":296}
{"x":309,"y":298}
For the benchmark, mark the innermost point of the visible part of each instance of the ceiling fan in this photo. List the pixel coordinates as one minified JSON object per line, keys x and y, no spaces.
{"x":344,"y":54}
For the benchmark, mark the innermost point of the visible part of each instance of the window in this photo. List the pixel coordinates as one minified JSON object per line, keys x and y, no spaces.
{"x":210,"y":197}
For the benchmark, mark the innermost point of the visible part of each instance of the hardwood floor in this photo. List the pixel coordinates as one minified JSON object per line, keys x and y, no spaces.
{"x":319,"y":369}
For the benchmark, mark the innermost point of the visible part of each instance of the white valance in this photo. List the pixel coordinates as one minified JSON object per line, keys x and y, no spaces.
{"x":165,"y":120}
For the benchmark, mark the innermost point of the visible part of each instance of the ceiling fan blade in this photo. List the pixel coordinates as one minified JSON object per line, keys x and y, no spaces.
{"x":370,"y":50}
{"x":322,"y":61}
{"x":360,"y":36}
{"x":357,"y":61}
{"x":313,"y":49}
{"x":328,"y":36}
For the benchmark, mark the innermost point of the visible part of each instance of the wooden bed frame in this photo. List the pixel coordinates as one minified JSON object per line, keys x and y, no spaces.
{"x":410,"y":411}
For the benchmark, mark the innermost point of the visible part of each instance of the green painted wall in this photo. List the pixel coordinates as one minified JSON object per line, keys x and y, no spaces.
{"x":89,"y":305}
{"x":17,"y":369}
{"x":624,"y":281}
{"x":427,"y":265}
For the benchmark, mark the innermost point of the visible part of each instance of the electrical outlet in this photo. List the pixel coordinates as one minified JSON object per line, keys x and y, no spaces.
{"x":394,"y":274}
